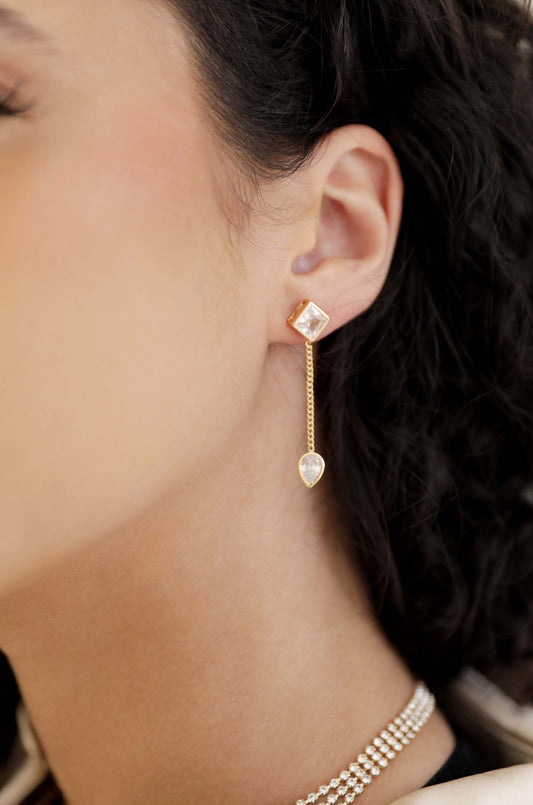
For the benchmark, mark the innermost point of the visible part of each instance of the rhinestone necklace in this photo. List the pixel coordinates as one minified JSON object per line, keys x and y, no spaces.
{"x":351,"y":782}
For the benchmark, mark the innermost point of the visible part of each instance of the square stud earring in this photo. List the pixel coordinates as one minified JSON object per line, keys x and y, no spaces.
{"x":309,"y":320}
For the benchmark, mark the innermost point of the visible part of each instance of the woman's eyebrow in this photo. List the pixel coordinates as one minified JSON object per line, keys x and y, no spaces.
{"x":15,"y":26}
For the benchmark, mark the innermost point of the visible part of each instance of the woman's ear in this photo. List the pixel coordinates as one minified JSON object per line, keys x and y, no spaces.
{"x":348,"y":206}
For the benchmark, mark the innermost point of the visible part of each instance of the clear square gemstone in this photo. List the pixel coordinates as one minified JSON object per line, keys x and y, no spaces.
{"x":311,"y":321}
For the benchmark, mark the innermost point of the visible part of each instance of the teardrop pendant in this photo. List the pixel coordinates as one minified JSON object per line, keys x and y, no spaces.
{"x":311,"y":468}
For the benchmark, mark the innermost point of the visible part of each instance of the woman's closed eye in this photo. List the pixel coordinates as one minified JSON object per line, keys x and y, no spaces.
{"x":10,"y":104}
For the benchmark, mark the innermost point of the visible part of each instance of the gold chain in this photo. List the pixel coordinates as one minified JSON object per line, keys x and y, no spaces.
{"x":310,"y":397}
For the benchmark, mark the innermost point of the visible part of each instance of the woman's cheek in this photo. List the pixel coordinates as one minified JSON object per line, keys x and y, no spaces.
{"x":119,"y":317}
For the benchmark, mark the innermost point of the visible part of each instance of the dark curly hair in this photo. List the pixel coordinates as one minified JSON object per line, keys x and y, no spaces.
{"x":425,"y":400}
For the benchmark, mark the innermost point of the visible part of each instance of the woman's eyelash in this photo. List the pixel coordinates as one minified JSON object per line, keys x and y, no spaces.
{"x":9,"y":107}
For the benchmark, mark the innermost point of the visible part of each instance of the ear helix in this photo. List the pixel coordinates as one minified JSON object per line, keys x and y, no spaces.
{"x":309,"y":320}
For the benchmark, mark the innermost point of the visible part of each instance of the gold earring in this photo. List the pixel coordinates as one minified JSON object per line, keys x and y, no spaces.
{"x":309,"y":320}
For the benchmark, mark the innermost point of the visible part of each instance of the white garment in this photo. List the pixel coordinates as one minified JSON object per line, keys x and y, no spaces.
{"x":26,"y":765}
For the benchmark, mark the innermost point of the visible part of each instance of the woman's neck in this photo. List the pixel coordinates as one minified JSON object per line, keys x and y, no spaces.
{"x":220,"y":649}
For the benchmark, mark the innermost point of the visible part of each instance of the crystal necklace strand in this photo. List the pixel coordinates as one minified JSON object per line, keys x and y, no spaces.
{"x":351,"y":782}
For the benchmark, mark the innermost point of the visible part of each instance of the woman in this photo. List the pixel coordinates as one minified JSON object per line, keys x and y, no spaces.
{"x":190,"y":616}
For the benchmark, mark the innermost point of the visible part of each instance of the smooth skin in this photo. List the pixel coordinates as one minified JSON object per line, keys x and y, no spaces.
{"x":176,"y":604}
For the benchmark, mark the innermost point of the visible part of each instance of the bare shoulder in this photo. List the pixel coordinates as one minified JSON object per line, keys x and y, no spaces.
{"x":511,"y":784}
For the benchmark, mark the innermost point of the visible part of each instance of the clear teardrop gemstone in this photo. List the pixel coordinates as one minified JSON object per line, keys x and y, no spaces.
{"x":311,"y":467}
